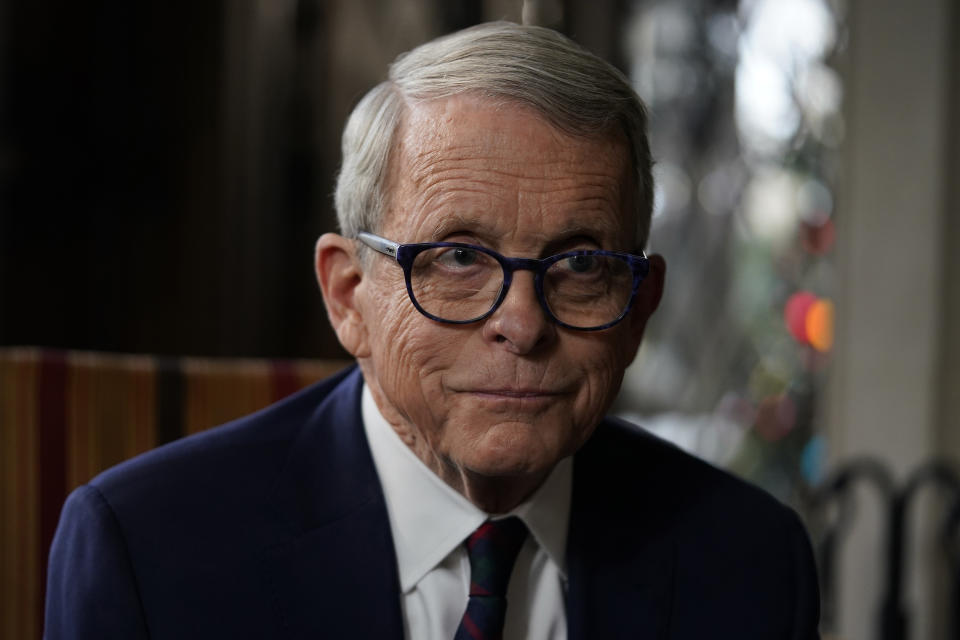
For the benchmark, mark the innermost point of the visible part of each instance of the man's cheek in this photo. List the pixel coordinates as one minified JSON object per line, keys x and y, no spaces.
{"x":601,"y":371}
{"x":414,"y":360}
{"x":394,"y":327}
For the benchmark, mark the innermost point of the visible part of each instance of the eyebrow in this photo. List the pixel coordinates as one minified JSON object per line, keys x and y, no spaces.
{"x":447,"y":224}
{"x":575,"y":228}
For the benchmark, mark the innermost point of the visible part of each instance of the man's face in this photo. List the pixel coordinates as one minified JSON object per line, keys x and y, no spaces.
{"x":513,"y":394}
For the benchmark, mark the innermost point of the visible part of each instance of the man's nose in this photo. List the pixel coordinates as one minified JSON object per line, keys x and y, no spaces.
{"x":520,"y":322}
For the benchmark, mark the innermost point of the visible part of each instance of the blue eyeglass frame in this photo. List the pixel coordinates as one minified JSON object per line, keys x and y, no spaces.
{"x":405,"y":254}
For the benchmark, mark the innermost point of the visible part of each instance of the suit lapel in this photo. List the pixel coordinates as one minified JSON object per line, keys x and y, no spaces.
{"x":334,"y":574}
{"x":620,"y":564}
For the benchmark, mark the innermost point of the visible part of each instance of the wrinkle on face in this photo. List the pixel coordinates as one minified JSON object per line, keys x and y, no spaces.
{"x":550,"y":177}
{"x":502,"y":177}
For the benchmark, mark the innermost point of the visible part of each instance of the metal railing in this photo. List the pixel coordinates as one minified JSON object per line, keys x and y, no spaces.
{"x":833,"y":503}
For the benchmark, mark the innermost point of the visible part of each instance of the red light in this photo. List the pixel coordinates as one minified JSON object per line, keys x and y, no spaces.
{"x":795,"y":314}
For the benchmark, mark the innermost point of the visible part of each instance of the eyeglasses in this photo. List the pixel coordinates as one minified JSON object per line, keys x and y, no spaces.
{"x":461,"y":283}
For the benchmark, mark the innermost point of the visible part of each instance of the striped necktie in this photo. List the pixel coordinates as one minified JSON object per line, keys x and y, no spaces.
{"x":492,"y":550}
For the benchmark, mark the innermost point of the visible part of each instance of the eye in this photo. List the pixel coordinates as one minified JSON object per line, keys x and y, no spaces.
{"x":581,"y":264}
{"x":459,"y":257}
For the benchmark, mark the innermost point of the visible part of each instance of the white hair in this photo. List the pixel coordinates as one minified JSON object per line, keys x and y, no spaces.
{"x":574,"y":90}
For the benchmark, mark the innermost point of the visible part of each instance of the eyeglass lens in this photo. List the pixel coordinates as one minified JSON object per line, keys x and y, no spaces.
{"x":461,"y":284}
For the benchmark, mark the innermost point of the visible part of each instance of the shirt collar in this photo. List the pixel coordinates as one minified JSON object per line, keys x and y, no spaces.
{"x":429,"y":519}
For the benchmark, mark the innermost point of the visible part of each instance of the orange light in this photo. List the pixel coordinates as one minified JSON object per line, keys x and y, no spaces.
{"x":819,"y":325}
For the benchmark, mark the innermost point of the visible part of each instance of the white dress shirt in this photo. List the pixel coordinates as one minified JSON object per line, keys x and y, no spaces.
{"x":430,"y":521}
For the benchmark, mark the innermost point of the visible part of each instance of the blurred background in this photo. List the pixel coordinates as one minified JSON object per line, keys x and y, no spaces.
{"x":166,"y":167}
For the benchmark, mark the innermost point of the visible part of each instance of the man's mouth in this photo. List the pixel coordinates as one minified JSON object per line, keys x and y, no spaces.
{"x":515,"y":393}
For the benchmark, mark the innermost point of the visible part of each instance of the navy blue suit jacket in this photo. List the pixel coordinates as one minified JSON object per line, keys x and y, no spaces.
{"x":274,"y":526}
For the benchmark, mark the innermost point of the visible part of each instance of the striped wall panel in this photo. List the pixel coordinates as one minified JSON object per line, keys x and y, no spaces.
{"x":65,"y":416}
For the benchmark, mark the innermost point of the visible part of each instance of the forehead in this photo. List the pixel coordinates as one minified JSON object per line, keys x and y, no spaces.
{"x":502,"y":166}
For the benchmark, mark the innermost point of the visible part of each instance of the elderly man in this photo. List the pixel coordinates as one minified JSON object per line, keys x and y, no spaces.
{"x":494,"y":200}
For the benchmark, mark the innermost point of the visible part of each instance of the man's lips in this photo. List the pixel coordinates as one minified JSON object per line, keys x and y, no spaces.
{"x":511,"y":393}
{"x":514,"y":393}
{"x":512,"y":399}
{"x":531,"y":387}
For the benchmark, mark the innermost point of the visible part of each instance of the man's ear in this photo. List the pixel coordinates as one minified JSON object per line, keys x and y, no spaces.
{"x":340,"y":275}
{"x":648,"y":296}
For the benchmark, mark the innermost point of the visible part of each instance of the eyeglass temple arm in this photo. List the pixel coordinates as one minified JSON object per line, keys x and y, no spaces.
{"x":377,"y":243}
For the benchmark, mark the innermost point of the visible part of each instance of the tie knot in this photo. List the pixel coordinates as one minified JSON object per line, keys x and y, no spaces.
{"x":492,"y":550}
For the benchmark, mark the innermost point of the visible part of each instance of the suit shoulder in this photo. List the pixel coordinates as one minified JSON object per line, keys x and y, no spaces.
{"x":243,"y":447}
{"x":630,"y":457}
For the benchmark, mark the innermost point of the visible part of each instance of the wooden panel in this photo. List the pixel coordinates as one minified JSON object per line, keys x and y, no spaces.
{"x":66,"y":416}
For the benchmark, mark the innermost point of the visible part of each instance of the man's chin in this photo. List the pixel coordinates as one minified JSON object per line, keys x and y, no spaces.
{"x":497,"y":486}
{"x":510,"y":464}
